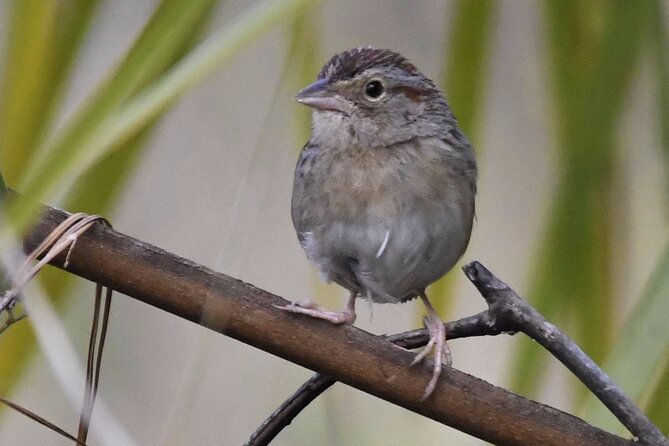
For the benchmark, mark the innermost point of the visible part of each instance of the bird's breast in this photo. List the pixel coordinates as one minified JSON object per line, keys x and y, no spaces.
{"x":358,"y":183}
{"x":381,"y":181}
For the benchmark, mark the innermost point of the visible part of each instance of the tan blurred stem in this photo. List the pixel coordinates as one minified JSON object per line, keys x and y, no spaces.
{"x":354,"y":357}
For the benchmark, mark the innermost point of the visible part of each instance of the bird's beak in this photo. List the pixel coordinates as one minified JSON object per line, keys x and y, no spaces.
{"x":319,"y":96}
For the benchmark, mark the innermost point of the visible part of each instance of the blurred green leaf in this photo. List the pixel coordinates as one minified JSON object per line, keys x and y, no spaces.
{"x":465,"y":74}
{"x":658,"y":407}
{"x":169,"y":29}
{"x":640,"y":351}
{"x":591,"y":75}
{"x":660,"y":41}
{"x":43,"y":41}
{"x":99,"y":186}
{"x":73,"y":154}
{"x":302,"y":63}
{"x":465,"y":80}
{"x":30,"y":50}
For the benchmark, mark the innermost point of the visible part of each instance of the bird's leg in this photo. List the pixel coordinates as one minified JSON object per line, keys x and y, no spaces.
{"x":346,"y":316}
{"x":437,"y":343}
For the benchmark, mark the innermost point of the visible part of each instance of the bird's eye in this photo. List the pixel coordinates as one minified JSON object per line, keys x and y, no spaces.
{"x":374,"y":90}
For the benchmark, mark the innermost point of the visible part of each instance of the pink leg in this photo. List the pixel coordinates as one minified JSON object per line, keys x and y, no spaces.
{"x":437,"y":343}
{"x":346,"y":316}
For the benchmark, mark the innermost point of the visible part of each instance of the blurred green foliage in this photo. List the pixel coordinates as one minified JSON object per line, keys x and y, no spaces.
{"x":466,"y":70}
{"x":594,"y":49}
{"x":35,"y":74}
{"x":303,"y":62}
{"x":173,"y":28}
{"x":96,"y":132}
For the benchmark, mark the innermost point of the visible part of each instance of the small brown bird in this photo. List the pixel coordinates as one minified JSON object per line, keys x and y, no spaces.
{"x":383,"y":198}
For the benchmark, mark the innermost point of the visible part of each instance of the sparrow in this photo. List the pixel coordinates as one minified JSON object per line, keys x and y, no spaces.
{"x":383,"y":195}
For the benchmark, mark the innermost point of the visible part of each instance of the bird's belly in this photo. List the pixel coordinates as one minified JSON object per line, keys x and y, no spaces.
{"x":390,"y":259}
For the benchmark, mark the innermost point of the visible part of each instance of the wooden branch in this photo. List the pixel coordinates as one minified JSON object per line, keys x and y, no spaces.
{"x":345,"y":353}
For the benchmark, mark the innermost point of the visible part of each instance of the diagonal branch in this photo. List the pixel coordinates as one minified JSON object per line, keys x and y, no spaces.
{"x":355,"y":357}
{"x":511,"y":310}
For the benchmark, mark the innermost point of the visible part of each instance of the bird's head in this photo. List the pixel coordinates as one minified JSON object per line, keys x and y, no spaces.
{"x":374,"y":97}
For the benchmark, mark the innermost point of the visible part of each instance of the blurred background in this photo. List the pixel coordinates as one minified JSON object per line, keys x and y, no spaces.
{"x":175,"y":120}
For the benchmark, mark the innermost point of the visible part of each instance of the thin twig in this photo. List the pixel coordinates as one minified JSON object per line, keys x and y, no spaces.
{"x":103,"y":337}
{"x":289,"y":409}
{"x":10,"y":309}
{"x":84,"y":416}
{"x":508,"y":308}
{"x":94,"y":359}
{"x":44,"y":422}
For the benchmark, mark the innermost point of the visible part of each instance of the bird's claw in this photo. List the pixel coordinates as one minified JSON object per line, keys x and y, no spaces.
{"x":442,"y":354}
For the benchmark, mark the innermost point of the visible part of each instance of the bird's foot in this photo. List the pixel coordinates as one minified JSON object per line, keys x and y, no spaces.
{"x":436,"y":344}
{"x":336,"y":317}
{"x":346,"y":316}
